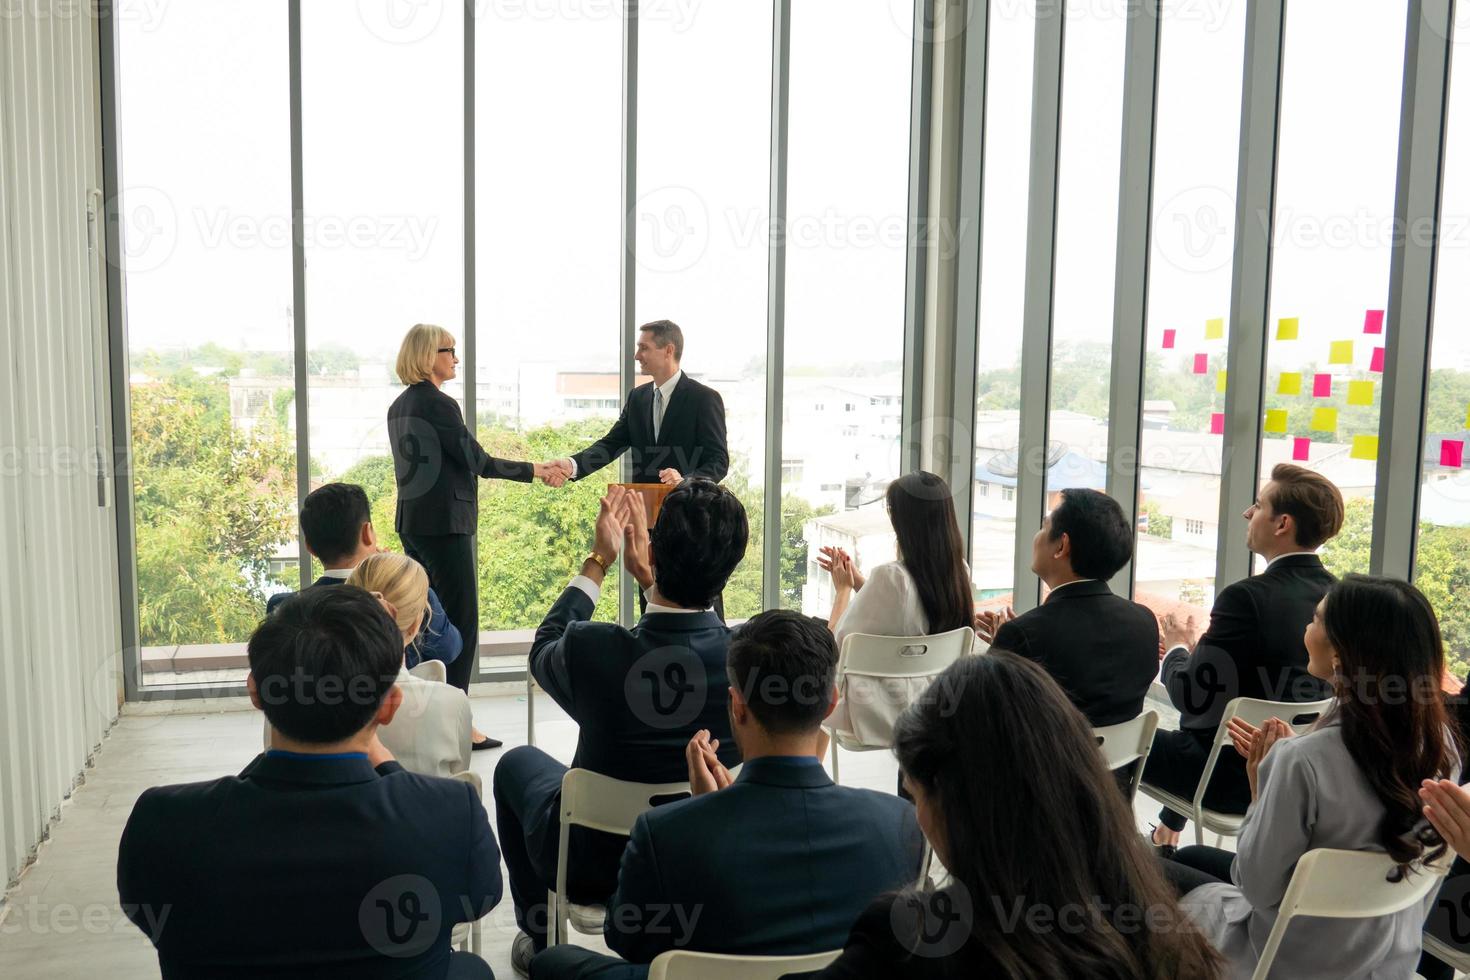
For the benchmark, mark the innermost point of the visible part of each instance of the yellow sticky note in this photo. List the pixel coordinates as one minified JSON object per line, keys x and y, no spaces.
{"x":1342,"y":352}
{"x":1276,"y":421}
{"x":1360,"y":393}
{"x":1365,"y":447}
{"x":1324,"y":420}
{"x":1215,"y":329}
{"x":1291,"y":383}
{"x":1467,"y":418}
{"x":1220,"y":382}
{"x":1288,"y":328}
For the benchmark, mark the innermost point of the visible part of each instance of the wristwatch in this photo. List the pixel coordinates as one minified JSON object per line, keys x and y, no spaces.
{"x":601,"y":561}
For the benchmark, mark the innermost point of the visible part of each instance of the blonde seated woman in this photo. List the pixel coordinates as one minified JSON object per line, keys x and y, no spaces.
{"x":430,"y":734}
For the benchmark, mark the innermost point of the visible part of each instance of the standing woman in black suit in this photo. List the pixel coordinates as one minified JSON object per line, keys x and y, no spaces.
{"x":436,"y":462}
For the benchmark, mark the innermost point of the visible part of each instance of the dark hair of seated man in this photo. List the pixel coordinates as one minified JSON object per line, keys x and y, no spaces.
{"x":784,"y":664}
{"x":697,"y":542}
{"x":323,"y":662}
{"x":332,"y":517}
{"x":1102,"y":540}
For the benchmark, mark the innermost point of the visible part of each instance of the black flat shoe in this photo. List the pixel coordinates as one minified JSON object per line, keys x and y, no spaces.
{"x":1164,"y":851}
{"x":486,"y":743}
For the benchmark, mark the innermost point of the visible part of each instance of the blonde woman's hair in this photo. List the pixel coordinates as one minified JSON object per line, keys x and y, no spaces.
{"x":403,"y":584}
{"x":416,"y":356}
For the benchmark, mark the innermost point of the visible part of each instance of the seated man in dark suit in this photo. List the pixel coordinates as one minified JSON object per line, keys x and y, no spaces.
{"x":779,"y":861}
{"x":1254,"y":646}
{"x":314,"y":860}
{"x":638,"y":695}
{"x":1101,"y":648}
{"x":337,"y":523}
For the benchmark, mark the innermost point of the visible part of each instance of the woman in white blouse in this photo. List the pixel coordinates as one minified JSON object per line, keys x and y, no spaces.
{"x":1349,"y":783}
{"x":927,"y":590}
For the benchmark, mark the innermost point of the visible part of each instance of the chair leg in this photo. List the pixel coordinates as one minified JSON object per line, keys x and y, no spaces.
{"x":530,"y":709}
{"x":1199,"y":830}
{"x":835,"y":778}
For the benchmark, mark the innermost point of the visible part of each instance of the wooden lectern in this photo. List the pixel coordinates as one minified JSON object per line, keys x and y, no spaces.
{"x":653,"y":497}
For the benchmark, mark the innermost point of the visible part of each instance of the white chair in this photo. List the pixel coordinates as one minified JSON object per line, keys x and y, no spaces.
{"x":466,"y":935}
{"x":1334,"y":884}
{"x":599,"y":802}
{"x":1299,"y":715}
{"x":683,"y":965}
{"x":1128,"y":743}
{"x":879,"y":676}
{"x":530,"y":706}
{"x":430,"y":670}
{"x":1459,"y":959}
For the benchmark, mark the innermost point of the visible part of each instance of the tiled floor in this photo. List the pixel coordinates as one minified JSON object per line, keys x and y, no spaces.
{"x":63,"y":919}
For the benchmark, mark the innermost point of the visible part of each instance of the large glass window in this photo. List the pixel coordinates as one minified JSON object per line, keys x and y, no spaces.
{"x":382,"y":163}
{"x":548,"y":228}
{"x":205,"y":208}
{"x":1196,"y":156}
{"x":1443,"y":567}
{"x":1008,"y":102}
{"x":1341,"y":93}
{"x":846,"y":235}
{"x":703,"y":221}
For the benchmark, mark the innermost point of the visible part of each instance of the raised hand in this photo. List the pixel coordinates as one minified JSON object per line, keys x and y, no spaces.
{"x":1272,"y":731}
{"x":608,"y":535}
{"x":706,"y":773}
{"x":1242,"y":735}
{"x":635,"y":539}
{"x":988,"y":624}
{"x":1447,"y":806}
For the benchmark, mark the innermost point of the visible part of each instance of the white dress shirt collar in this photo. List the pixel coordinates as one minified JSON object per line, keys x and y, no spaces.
{"x":341,"y":573}
{"x":1289,"y":555}
{"x":668,"y":386}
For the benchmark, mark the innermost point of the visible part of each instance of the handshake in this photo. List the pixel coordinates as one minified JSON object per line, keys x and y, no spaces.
{"x":554,"y":473}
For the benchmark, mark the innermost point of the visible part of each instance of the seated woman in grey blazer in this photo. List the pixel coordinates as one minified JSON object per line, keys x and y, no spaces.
{"x":1350,"y":783}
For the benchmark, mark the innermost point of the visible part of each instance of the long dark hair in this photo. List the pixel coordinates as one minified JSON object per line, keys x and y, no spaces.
{"x":1033,"y":819}
{"x":921,"y":507}
{"x":1393,"y":717}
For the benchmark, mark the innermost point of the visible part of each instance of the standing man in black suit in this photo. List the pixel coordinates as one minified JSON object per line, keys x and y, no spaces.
{"x":637,"y":695}
{"x":778,"y":861}
{"x":674,"y":426}
{"x":1101,"y":648}
{"x":436,"y":465}
{"x":1254,"y":647}
{"x":324,"y":857}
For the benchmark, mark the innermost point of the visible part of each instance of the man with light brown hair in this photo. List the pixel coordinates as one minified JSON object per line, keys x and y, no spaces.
{"x":1253,"y":647}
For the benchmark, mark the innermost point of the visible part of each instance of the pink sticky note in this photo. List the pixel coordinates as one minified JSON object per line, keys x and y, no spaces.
{"x":1201,"y":364}
{"x":1452,"y":453}
{"x":1217,"y":424}
{"x":1322,"y":386}
{"x":1373,"y":322}
{"x":1169,"y":336}
{"x":1301,"y":450}
{"x":1377,"y":364}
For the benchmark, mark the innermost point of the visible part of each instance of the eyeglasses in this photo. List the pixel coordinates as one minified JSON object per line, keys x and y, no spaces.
{"x":447,"y":350}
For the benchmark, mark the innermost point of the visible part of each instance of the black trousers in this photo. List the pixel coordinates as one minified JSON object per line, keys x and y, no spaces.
{"x":450,"y":561}
{"x":1176,"y":762}
{"x":1194,"y":866}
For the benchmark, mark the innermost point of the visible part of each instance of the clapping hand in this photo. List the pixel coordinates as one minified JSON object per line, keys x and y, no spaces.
{"x":706,"y":773}
{"x":635,"y":539}
{"x":608,"y":534}
{"x":1177,"y":634}
{"x":1447,"y":806}
{"x":1272,"y":731}
{"x":988,"y":624}
{"x":554,"y":473}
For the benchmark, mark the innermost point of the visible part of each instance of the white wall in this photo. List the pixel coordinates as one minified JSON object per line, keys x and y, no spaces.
{"x":59,"y":632}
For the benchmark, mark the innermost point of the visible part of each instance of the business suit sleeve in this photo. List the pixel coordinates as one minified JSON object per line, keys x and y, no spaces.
{"x":1220,"y":652}
{"x":441,"y":641}
{"x":709,"y":440}
{"x":1011,"y":637}
{"x":639,"y":890}
{"x":484,"y":886}
{"x":457,"y":443}
{"x":137,"y":888}
{"x":606,"y":449}
{"x":550,"y":654}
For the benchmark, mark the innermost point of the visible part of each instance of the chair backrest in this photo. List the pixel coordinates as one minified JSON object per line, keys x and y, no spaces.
{"x":683,"y":965}
{"x":473,"y":778}
{"x":590,"y":799}
{"x":903,"y":656}
{"x":430,"y":670}
{"x":1336,"y":884}
{"x":1124,"y":744}
{"x":1300,"y":715}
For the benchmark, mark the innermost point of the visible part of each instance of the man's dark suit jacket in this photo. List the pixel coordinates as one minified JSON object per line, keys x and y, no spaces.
{"x":1254,"y":646}
{"x":1101,"y":648}
{"x":307,"y":865}
{"x":782,"y":862}
{"x":441,"y":641}
{"x":637,"y":695}
{"x":690,"y":440}
{"x":436,"y":463}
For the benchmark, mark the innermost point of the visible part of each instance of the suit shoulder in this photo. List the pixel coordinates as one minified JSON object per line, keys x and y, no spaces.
{"x":870,"y":801}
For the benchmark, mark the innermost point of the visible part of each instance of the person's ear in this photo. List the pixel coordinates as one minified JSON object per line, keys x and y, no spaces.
{"x":739,"y":709}
{"x":1062,"y":547}
{"x":392,"y":701}
{"x":831,"y":703}
{"x":368,"y":536}
{"x":254,"y":692}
